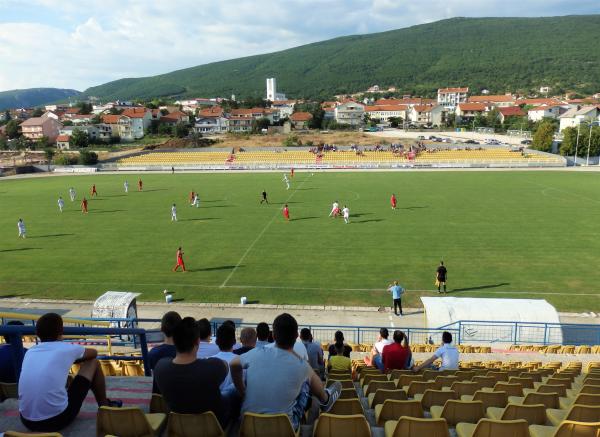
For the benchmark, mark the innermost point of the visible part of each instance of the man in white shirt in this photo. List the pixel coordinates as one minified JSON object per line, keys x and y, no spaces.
{"x":21,"y":228}
{"x":346,"y":214}
{"x":45,"y":404}
{"x":173,"y":213}
{"x":447,"y":353}
{"x":126,"y":186}
{"x":377,"y":350}
{"x":72,"y":194}
{"x":61,"y":204}
{"x":207,"y":348}
{"x":225,"y":342}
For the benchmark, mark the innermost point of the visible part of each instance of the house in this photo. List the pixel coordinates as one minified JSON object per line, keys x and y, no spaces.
{"x":300,"y":120}
{"x":349,"y":112}
{"x":240,"y":123}
{"x":81,"y":118}
{"x":256,"y":113}
{"x":175,"y":117}
{"x":427,"y":115}
{"x":47,"y":125}
{"x":96,"y":132}
{"x":213,"y":111}
{"x":143,"y":117}
{"x":579,"y":114}
{"x":468,"y":111}
{"x":450,"y":97}
{"x":285,"y":108}
{"x":62,"y":142}
{"x":538,"y":102}
{"x":500,"y":101}
{"x":211,"y":125}
{"x":385,"y":112}
{"x":126,"y":127}
{"x":538,"y":113}
{"x":505,"y":112}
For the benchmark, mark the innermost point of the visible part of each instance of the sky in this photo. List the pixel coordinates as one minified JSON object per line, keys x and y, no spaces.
{"x":82,"y":43}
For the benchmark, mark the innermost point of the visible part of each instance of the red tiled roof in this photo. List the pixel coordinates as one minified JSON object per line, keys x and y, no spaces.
{"x":62,"y":138}
{"x":538,"y":102}
{"x":301,"y":116}
{"x":110,"y":118}
{"x":511,"y":111}
{"x":135,"y":112}
{"x":472,"y":106}
{"x":493,"y":98}
{"x":386,"y":108}
{"x":213,"y":111}
{"x":72,"y":111}
{"x":453,"y":90}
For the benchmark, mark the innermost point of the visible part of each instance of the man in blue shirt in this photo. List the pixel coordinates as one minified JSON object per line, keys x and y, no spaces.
{"x":397,"y":292}
{"x":167,"y":349}
{"x":7,"y":370}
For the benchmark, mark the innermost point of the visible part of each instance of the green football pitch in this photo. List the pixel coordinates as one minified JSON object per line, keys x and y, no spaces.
{"x":528,"y":234}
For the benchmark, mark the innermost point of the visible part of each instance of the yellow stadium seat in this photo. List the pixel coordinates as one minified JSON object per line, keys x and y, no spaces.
{"x":266,"y":425}
{"x":493,"y":428}
{"x":416,"y":427}
{"x":194,"y":425}
{"x":577,"y":413}
{"x":394,"y":409}
{"x":533,"y":414}
{"x":330,"y":425}
{"x":455,"y":411}
{"x":435,"y":397}
{"x":566,"y":429}
{"x":380,"y":396}
{"x":347,"y":407}
{"x":128,"y":422}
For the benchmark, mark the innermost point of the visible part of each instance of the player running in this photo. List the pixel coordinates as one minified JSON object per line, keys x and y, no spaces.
{"x":264,"y":197}
{"x":140,"y":184}
{"x":286,"y":213}
{"x":72,"y":194}
{"x":94,"y":192}
{"x":196,"y":201}
{"x":21,"y":228}
{"x":292,"y":172}
{"x":393,"y":201}
{"x":180,"y":262}
{"x":335,"y":209}
{"x":346,"y":214}
{"x":287,"y":181}
{"x":61,"y":203}
{"x":173,"y":213}
{"x":84,"y":206}
{"x":126,"y":186}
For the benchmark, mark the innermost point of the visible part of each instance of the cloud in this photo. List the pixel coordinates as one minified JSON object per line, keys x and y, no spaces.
{"x":75,"y":44}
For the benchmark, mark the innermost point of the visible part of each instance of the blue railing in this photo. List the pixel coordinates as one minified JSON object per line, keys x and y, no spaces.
{"x":15,"y":333}
{"x":477,"y":331}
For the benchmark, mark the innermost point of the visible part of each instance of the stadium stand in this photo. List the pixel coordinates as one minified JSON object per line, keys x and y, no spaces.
{"x":557,"y":394}
{"x":341,"y":158}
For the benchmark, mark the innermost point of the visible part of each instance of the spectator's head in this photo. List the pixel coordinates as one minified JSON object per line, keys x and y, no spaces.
{"x":262,"y":331}
{"x":384,"y":333}
{"x":395,"y":282}
{"x":168,"y":323}
{"x":226,"y":337}
{"x":285,"y":331}
{"x":305,"y":335}
{"x":12,"y":323}
{"x":248,"y":337}
{"x":49,"y":327}
{"x":441,"y":263}
{"x":270,"y":338}
{"x":447,"y":337}
{"x":204,"y":329}
{"x":399,"y":336}
{"x":229,"y":322}
{"x":186,"y":336}
{"x":339,"y":338}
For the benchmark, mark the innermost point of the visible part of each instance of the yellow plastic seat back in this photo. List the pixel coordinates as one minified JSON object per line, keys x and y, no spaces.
{"x":455,"y":411}
{"x":501,"y":428}
{"x":266,"y":425}
{"x":382,"y":395}
{"x":330,"y":425}
{"x":587,"y":399}
{"x":158,"y":404}
{"x":464,"y":388}
{"x":416,"y":427}
{"x":510,"y":389}
{"x":569,"y":428}
{"x":128,"y":422}
{"x":194,"y":425}
{"x":590,"y":389}
{"x":393,"y":410}
{"x":348,"y":393}
{"x":9,"y":390}
{"x":584,"y":413}
{"x":436,"y":397}
{"x":491,"y":398}
{"x":533,"y":414}
{"x":377,"y":385}
{"x":345,"y":407}
{"x":484,"y":381}
{"x":419,"y":387}
{"x":560,"y":390}
{"x":549,"y":400}
{"x":24,"y":434}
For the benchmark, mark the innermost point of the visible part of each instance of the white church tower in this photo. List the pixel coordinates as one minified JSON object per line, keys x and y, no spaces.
{"x":272,"y":94}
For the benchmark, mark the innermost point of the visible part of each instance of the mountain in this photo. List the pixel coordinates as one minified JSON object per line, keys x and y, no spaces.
{"x":32,"y":97}
{"x":500,"y":54}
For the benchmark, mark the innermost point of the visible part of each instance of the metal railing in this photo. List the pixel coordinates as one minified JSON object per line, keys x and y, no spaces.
{"x":16,"y":332}
{"x":525,"y":332}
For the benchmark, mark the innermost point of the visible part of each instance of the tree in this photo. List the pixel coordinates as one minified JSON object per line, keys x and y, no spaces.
{"x":85,"y":108}
{"x":543,"y":137}
{"x":12,"y":129}
{"x":49,"y":151}
{"x":292,"y":140}
{"x":259,"y":124}
{"x":79,"y":139}
{"x":165,"y":129}
{"x":97,"y":119}
{"x":492,"y":119}
{"x":395,"y":121}
{"x":87,"y":158}
{"x":181,"y":130}
{"x":3,"y":143}
{"x":67,"y":123}
{"x":569,"y":142}
{"x":7,"y":116}
{"x":42,"y":143}
{"x":37,"y":112}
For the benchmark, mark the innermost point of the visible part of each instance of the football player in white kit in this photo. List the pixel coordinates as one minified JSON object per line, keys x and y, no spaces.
{"x":72,"y":194}
{"x":126,"y":186}
{"x":335,"y":209}
{"x":173,"y":213}
{"x":21,"y":227}
{"x":346,"y":214}
{"x":196,"y":201}
{"x":61,"y":203}
{"x":287,"y":181}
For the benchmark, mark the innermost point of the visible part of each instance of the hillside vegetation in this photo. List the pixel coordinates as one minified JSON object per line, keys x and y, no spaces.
{"x":31,"y":97}
{"x":500,"y":54}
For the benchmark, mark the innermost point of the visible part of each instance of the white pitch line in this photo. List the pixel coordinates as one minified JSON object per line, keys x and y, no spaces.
{"x":285,"y":287}
{"x":548,"y":187}
{"x":267,"y":226}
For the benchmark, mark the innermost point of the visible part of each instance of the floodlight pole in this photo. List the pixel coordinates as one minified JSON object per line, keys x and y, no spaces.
{"x":590,"y":143}
{"x":576,"y":144}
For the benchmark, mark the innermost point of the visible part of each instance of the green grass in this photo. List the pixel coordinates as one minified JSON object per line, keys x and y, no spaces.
{"x":502,"y":234}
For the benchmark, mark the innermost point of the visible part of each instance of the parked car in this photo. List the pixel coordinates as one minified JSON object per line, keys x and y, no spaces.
{"x":526,"y":142}
{"x":471,"y":142}
{"x":420,"y":137}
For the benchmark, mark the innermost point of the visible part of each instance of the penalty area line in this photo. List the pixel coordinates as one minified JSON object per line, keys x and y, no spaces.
{"x":260,"y":235}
